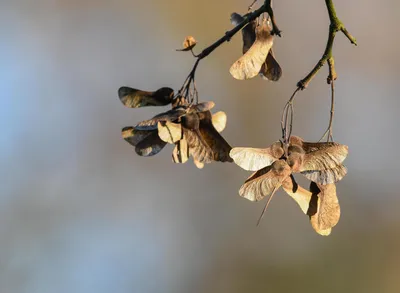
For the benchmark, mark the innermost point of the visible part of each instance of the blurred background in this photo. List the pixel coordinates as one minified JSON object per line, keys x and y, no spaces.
{"x":81,"y":212}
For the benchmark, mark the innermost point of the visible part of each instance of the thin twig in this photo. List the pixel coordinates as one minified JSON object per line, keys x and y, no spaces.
{"x":335,"y":26}
{"x":329,"y":132}
{"x":251,"y":5}
{"x":285,"y":124}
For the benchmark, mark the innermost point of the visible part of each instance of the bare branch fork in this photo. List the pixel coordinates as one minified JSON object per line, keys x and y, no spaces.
{"x":249,"y":17}
{"x":335,"y":26}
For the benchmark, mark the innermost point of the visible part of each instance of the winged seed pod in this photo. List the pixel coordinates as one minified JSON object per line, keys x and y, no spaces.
{"x":269,"y":68}
{"x":189,"y":127}
{"x":195,"y":135}
{"x":134,"y":98}
{"x":320,"y":161}
{"x":188,"y":44}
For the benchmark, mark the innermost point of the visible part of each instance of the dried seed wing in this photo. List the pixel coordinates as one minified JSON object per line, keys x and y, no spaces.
{"x":248,"y":32}
{"x":265,"y":181}
{"x":219,"y":146}
{"x":134,"y":98}
{"x":320,"y":155}
{"x":253,"y":159}
{"x":171,"y":116}
{"x":150,"y":146}
{"x":180,"y":153}
{"x":324,"y":156}
{"x":329,"y":176}
{"x":328,"y":212}
{"x":219,"y":121}
{"x":134,"y":136}
{"x":326,"y":232}
{"x":169,"y":132}
{"x":198,"y":164}
{"x":249,"y":64}
{"x":188,"y":44}
{"x":298,"y":193}
{"x":271,"y":70}
{"x":204,"y":106}
{"x":249,"y":36}
{"x":198,"y":148}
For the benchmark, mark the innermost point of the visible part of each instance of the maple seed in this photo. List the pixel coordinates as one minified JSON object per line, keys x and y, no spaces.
{"x":188,"y":44}
{"x":321,"y":162}
{"x":267,"y":67}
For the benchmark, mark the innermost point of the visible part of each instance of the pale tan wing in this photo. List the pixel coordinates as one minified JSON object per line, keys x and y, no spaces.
{"x":301,"y":196}
{"x":134,"y":136}
{"x":249,"y":64}
{"x":328,"y":213}
{"x":150,"y":146}
{"x":263,"y":182}
{"x":171,"y":116}
{"x":326,"y":176}
{"x":198,"y":164}
{"x":180,"y":154}
{"x":204,"y":106}
{"x":198,"y":148}
{"x":253,"y":159}
{"x":219,"y":121}
{"x":134,"y":98}
{"x":169,"y":132}
{"x":219,"y":146}
{"x":271,"y":70}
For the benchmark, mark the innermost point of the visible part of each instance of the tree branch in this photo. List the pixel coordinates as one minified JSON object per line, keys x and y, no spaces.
{"x":335,"y":26}
{"x":249,"y":17}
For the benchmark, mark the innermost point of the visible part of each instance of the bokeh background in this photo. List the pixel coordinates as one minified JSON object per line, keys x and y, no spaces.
{"x":81,"y":212}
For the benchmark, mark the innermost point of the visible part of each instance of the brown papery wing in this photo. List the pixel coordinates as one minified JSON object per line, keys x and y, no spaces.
{"x":265,"y":181}
{"x":326,"y":176}
{"x":134,"y":98}
{"x":320,"y":155}
{"x":134,"y":136}
{"x":249,"y":64}
{"x":308,"y":202}
{"x":328,"y":213}
{"x":219,"y":146}
{"x":271,"y":70}
{"x":150,"y":146}
{"x":249,"y":35}
{"x":171,"y":116}
{"x":198,"y":148}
